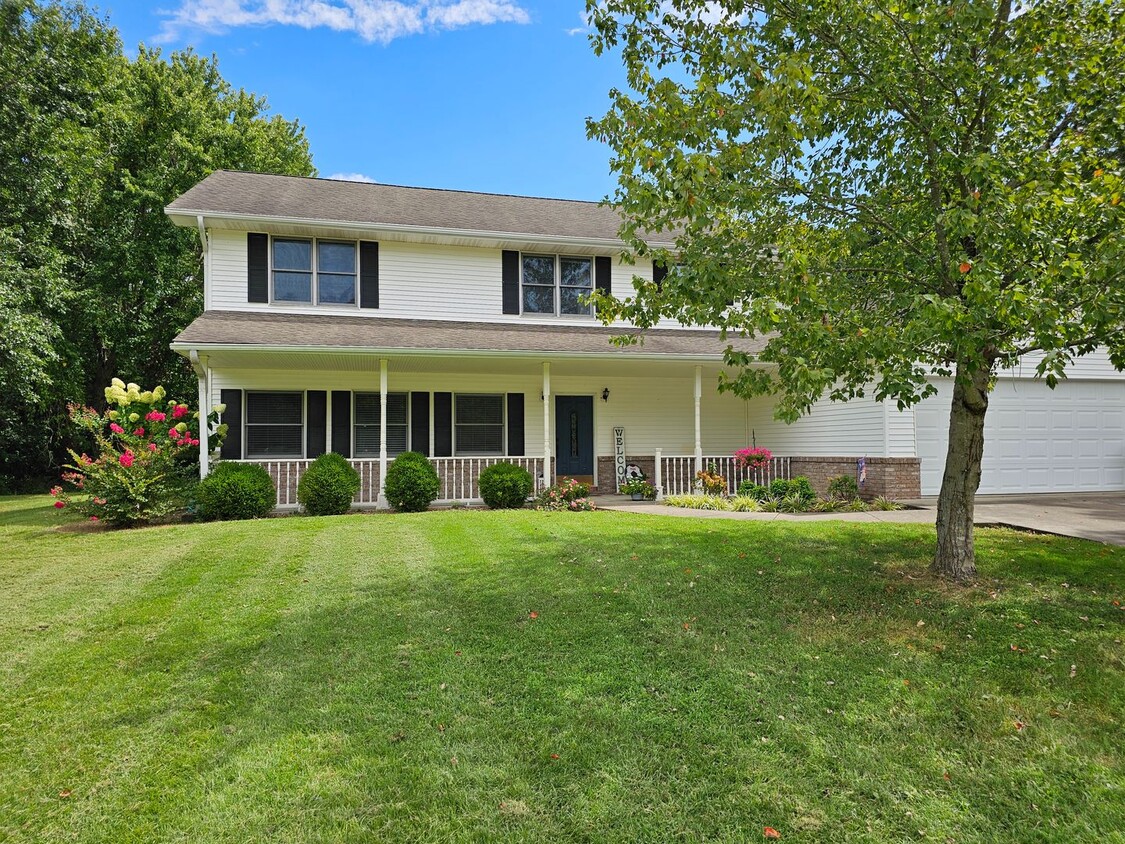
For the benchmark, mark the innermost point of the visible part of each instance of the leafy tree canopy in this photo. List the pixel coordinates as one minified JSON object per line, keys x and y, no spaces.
{"x":94,"y":279}
{"x":886,"y":190}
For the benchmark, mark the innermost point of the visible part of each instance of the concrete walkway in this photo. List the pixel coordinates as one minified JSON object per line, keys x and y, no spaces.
{"x":1096,"y":516}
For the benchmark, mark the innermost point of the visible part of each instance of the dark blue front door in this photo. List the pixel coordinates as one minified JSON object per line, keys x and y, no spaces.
{"x":574,"y":435}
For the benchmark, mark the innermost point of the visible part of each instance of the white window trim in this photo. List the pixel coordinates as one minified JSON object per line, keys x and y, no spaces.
{"x":503,"y":452}
{"x":355,"y":424}
{"x":314,"y":281}
{"x":247,"y":424}
{"x":558,"y":286}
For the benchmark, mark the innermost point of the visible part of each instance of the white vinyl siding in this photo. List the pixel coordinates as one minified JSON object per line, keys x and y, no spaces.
{"x":416,"y":281}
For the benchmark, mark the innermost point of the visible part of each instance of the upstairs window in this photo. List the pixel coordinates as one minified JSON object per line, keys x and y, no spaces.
{"x":367,"y":424}
{"x":332,"y":283}
{"x":555,"y":284}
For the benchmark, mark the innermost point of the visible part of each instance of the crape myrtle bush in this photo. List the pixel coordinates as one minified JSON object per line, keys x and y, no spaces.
{"x":328,"y":486}
{"x":236,"y":491}
{"x":412,"y":483}
{"x":504,"y":486}
{"x":147,"y":462}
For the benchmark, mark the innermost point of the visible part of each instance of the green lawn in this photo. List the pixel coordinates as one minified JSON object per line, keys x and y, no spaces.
{"x":381,"y":677}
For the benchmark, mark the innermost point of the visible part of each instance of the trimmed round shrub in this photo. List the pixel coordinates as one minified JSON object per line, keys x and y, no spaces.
{"x":412,"y":482}
{"x":504,"y":486}
{"x":236,"y":491}
{"x":328,"y":486}
{"x":843,"y":488}
{"x":798,"y":486}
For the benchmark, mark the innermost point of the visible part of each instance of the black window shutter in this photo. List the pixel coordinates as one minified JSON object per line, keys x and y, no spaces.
{"x":342,"y":422}
{"x":316,"y":404}
{"x":603,"y":270}
{"x":515,"y":425}
{"x":420,"y":423}
{"x":659,"y":273}
{"x":368,"y":274}
{"x":257,"y":267}
{"x":510,"y":262}
{"x":443,"y":424}
{"x":232,"y":418}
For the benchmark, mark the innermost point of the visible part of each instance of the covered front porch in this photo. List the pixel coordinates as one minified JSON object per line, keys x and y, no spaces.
{"x":558,"y":401}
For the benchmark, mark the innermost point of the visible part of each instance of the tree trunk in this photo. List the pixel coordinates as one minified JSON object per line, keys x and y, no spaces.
{"x":955,"y":557}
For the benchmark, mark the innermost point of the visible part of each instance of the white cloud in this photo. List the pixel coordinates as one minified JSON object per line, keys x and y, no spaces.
{"x":371,"y":20}
{"x":351,"y":177}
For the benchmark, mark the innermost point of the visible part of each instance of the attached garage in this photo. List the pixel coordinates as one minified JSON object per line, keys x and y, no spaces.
{"x":1070,"y":439}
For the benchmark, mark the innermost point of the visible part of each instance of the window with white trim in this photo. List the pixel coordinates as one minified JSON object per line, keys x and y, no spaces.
{"x":275,"y":424}
{"x":367,"y":424}
{"x":478,"y":424}
{"x":555,"y":284}
{"x":331,"y":282}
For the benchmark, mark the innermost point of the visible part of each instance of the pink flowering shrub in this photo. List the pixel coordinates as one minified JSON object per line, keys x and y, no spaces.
{"x":753,"y":458}
{"x":568,"y":494}
{"x":143,"y":472}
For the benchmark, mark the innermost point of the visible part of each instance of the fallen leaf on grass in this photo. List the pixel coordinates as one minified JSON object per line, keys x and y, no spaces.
{"x":1073,"y":671}
{"x":946,"y":776}
{"x":533,"y":614}
{"x":65,"y":793}
{"x":770,"y":832}
{"x":1019,"y":725}
{"x":554,"y":756}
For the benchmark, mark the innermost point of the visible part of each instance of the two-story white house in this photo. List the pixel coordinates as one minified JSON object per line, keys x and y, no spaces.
{"x":371,"y":319}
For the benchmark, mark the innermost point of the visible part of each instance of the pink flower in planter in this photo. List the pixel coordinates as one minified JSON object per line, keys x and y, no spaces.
{"x":117,"y":429}
{"x":195,"y":442}
{"x":155,"y":416}
{"x":139,"y":432}
{"x":180,"y":412}
{"x":152,"y":446}
{"x":126,"y":459}
{"x":753,"y":458}
{"x":173,"y":433}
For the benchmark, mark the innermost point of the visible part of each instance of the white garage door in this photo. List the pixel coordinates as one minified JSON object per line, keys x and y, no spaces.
{"x":1036,"y":439}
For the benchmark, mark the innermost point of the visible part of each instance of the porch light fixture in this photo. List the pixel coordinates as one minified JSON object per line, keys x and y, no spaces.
{"x":605,"y":394}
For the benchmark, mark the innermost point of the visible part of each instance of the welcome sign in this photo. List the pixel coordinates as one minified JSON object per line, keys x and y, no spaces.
{"x":619,"y":456}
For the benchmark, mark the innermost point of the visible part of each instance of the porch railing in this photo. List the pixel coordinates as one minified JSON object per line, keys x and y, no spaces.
{"x":676,"y":473}
{"x":458,"y":476}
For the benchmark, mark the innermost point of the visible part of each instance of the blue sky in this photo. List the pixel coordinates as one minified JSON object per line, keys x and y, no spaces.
{"x":488,"y":95}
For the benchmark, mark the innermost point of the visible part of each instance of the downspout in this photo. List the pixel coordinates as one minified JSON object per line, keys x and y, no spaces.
{"x":203,"y":242}
{"x":199,"y":366}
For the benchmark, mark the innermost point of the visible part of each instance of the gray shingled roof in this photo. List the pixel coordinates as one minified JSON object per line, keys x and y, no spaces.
{"x":297,"y":198}
{"x":234,"y":329}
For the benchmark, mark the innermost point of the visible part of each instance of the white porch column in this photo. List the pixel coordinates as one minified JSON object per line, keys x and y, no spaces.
{"x":698,"y":428}
{"x":199,"y":366}
{"x":381,"y":502}
{"x":548,"y":475}
{"x":204,"y":425}
{"x":659,"y":480}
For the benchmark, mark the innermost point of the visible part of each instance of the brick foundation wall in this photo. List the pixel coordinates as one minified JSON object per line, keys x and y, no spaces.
{"x":896,"y":478}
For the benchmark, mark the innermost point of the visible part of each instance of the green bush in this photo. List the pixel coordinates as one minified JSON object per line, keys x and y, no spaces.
{"x":328,"y":486}
{"x":504,"y":486}
{"x":749,"y":489}
{"x":799,"y":486}
{"x":843,"y":488}
{"x":236,"y":491}
{"x":412,"y":482}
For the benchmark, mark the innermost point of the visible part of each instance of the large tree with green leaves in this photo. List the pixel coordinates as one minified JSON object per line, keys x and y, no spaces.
{"x":887,"y":191}
{"x":94,"y":279}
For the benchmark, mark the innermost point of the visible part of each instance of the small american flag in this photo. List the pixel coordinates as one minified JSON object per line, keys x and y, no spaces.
{"x":861,"y":467}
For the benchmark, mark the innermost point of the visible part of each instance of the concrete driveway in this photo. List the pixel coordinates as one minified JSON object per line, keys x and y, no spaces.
{"x":1099,"y":516}
{"x":1093,"y":515}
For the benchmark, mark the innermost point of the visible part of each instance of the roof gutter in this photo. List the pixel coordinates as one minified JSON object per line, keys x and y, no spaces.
{"x":436,"y":231}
